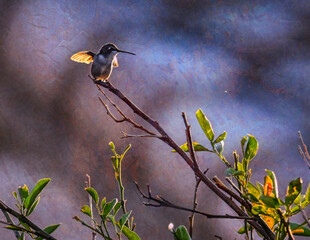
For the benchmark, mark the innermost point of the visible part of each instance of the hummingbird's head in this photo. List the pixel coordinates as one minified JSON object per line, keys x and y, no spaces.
{"x":111,"y":49}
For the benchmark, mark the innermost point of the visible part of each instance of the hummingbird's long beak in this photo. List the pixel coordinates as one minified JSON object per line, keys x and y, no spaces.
{"x":125,"y":52}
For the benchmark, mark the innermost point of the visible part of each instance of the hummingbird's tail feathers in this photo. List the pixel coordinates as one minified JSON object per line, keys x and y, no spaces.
{"x":83,"y":57}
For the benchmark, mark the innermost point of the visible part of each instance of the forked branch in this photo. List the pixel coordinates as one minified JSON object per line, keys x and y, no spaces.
{"x":259,"y":224}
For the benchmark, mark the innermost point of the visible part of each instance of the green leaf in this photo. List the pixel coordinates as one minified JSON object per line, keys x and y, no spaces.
{"x":117,"y":207}
{"x":14,"y":228}
{"x":229,"y":172}
{"x":253,"y":190}
{"x":270,"y":201}
{"x":260,"y":188}
{"x":293,"y":191}
{"x":240,"y":166}
{"x":23,"y":192}
{"x":221,"y":137}
{"x":109,"y":206}
{"x":299,"y":231}
{"x":41,"y":184}
{"x":124,"y":219}
{"x":181,"y":233}
{"x":103,"y":202}
{"x":308,"y":193}
{"x":15,"y":195}
{"x":197,"y":147}
{"x":205,"y":124}
{"x":219,"y":147}
{"x":259,"y":209}
{"x":131,"y":235}
{"x":50,"y":229}
{"x":241,"y":230}
{"x":21,"y":237}
{"x":274,"y":181}
{"x":243,"y":141}
{"x":34,"y":205}
{"x":251,"y":148}
{"x":86,"y":210}
{"x":93,"y":193}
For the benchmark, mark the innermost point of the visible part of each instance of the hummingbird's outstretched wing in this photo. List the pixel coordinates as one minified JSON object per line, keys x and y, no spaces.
{"x":83,"y":57}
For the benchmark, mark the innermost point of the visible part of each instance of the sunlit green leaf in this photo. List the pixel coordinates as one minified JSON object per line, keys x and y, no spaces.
{"x":243,"y":141}
{"x":260,"y":188}
{"x":14,"y":228}
{"x":293,"y":191}
{"x":274,"y":181}
{"x":50,"y":229}
{"x":221,"y":137}
{"x":299,"y":231}
{"x":253,"y":190}
{"x":251,"y":148}
{"x":308,"y":193}
{"x":269,"y":201}
{"x":241,"y":230}
{"x":93,"y":193}
{"x":103,"y":202}
{"x":124,"y":218}
{"x":130,"y":235}
{"x":205,"y":124}
{"x":117,"y":207}
{"x":23,"y":192}
{"x":15,"y":195}
{"x":109,"y":206}
{"x":197,"y":147}
{"x":40,"y":185}
{"x":34,"y":205}
{"x":181,"y":233}
{"x":86,"y":209}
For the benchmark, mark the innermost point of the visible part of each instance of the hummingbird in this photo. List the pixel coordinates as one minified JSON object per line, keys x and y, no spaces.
{"x":102,"y":62}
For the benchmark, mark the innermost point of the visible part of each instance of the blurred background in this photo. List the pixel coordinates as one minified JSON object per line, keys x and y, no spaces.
{"x":244,"y":63}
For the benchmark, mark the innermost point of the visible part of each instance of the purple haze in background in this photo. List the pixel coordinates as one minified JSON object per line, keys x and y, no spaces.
{"x":245,"y":63}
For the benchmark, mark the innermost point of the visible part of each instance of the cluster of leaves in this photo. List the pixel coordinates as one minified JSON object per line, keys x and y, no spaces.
{"x":264,"y":198}
{"x":108,"y":211}
{"x":26,"y":203}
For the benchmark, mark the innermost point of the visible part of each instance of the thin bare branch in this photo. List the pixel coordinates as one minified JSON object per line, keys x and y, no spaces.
{"x":125,"y":118}
{"x":9,"y":220}
{"x":286,"y":224}
{"x":233,"y":185}
{"x":189,"y":141}
{"x":304,"y":215}
{"x":110,"y":113}
{"x":195,"y":204}
{"x":305,"y":153}
{"x":161,"y":202}
{"x":126,"y":135}
{"x":39,"y":231}
{"x":222,"y":186}
{"x":20,"y":228}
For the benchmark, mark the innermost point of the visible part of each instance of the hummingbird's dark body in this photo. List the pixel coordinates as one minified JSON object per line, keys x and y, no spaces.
{"x":103,"y":61}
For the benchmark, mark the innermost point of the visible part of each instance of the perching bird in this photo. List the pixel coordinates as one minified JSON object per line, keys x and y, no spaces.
{"x":103,"y":61}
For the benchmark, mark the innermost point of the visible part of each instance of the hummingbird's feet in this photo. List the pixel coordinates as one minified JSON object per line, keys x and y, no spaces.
{"x":98,"y":81}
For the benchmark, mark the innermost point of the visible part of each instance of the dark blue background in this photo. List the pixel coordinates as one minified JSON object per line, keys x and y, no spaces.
{"x":245,"y":63}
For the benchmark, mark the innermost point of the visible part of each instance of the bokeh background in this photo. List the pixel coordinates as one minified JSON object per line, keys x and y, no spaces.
{"x":245,"y":63}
